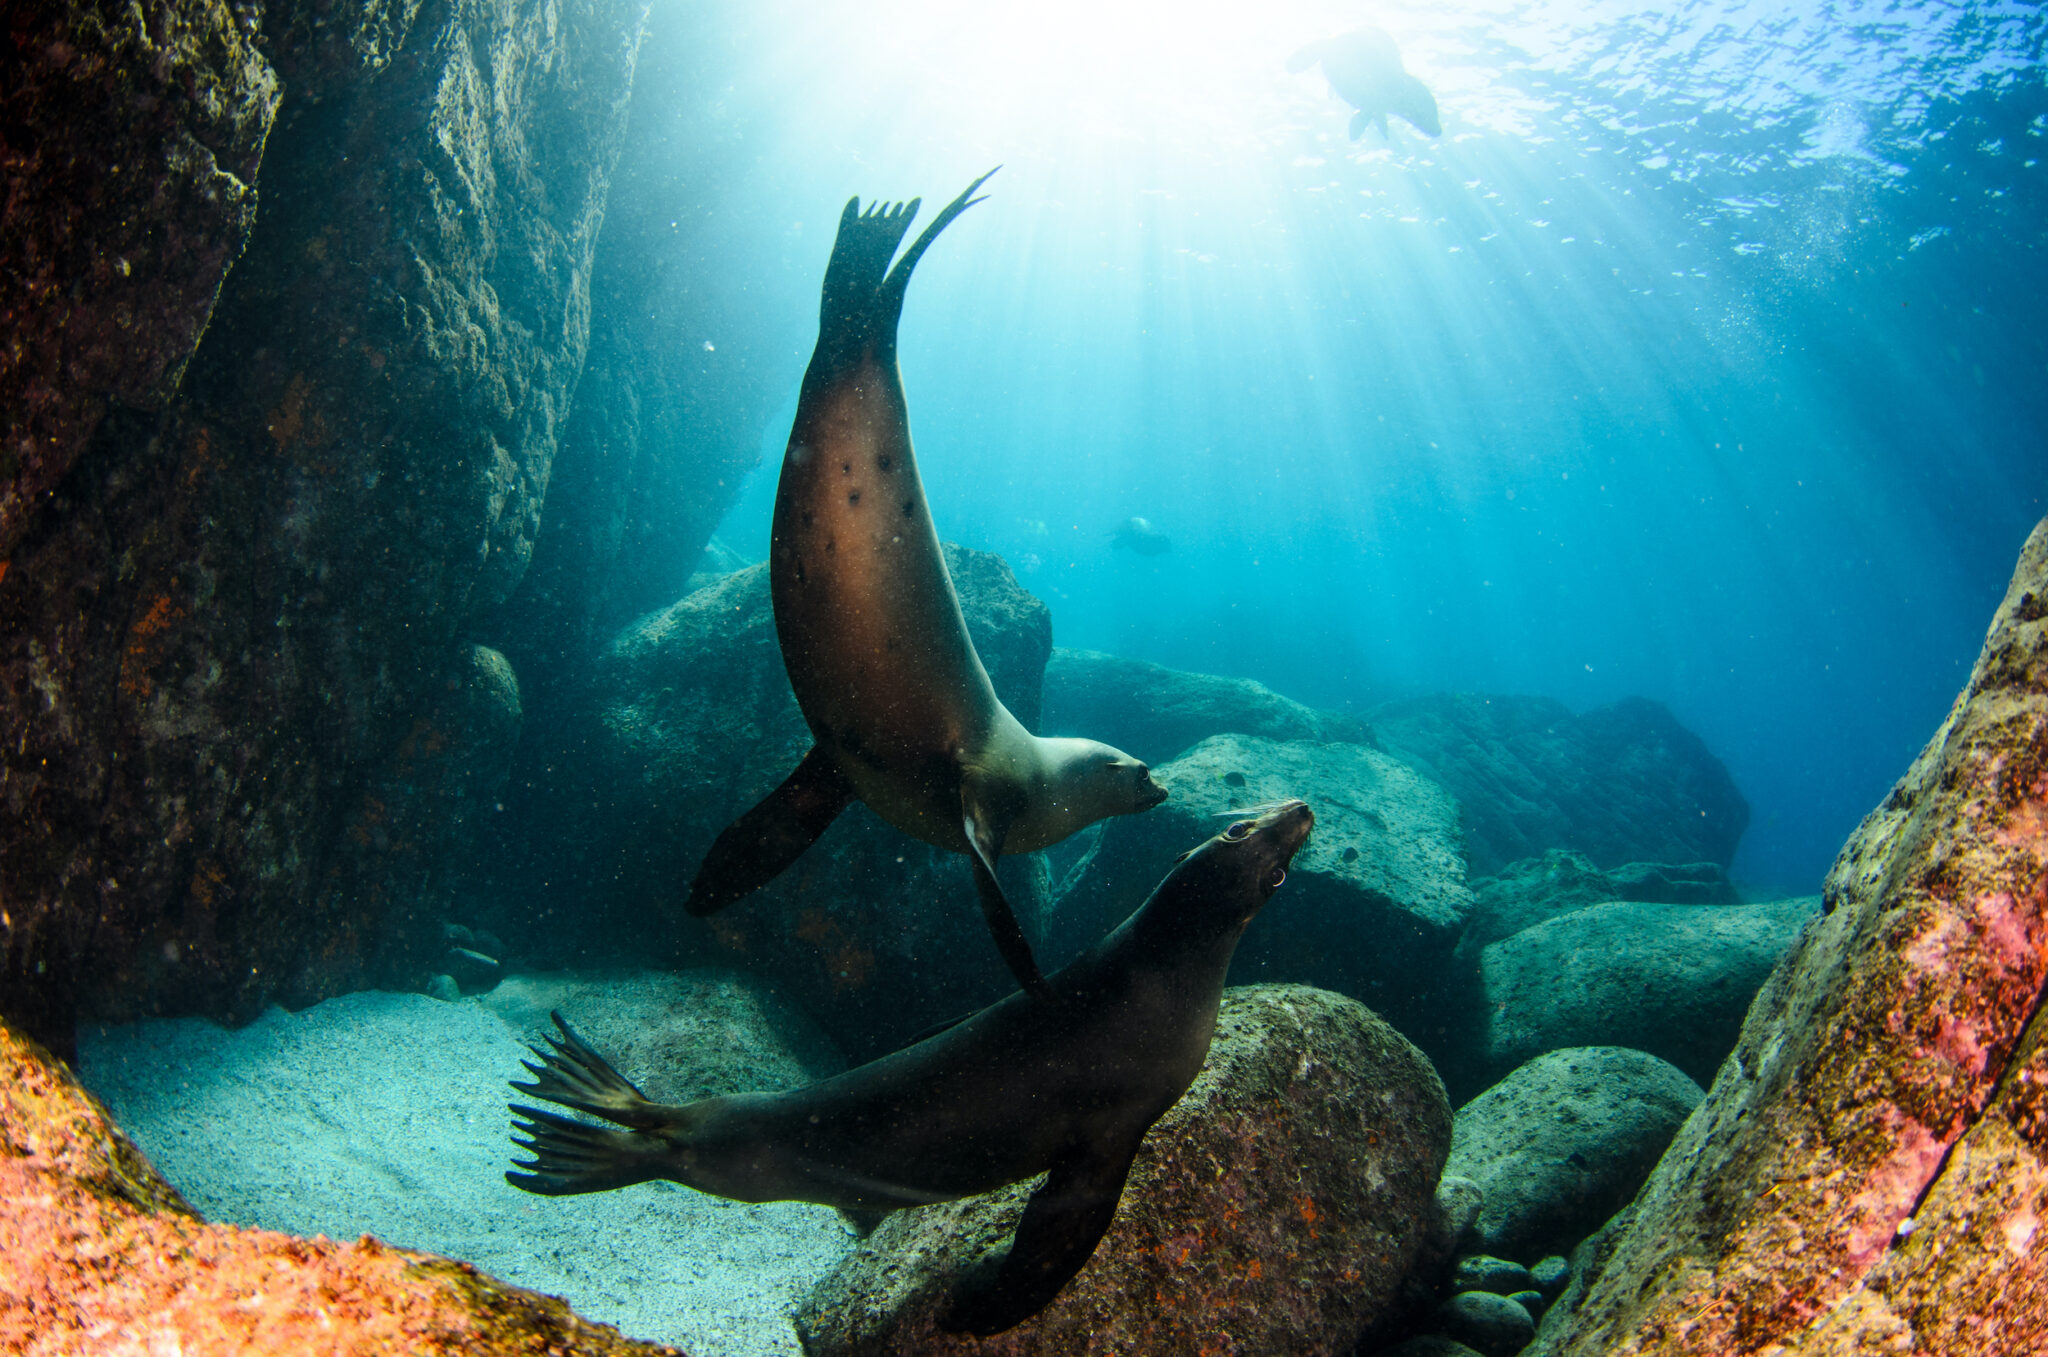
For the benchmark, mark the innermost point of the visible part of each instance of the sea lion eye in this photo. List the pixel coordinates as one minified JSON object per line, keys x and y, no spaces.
{"x":1238,"y":830}
{"x":1273,"y":881}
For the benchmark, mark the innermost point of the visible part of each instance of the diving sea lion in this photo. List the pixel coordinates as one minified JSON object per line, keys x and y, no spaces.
{"x":1138,"y":534}
{"x":903,"y":714}
{"x":1069,"y":1082}
{"x":1364,"y":67}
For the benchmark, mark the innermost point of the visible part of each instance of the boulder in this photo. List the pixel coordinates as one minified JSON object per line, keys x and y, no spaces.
{"x":1620,"y":783}
{"x":1559,"y":881}
{"x":1375,"y":898}
{"x":690,"y":722}
{"x":99,"y":1254}
{"x":1562,"y":1143}
{"x":132,"y":140}
{"x":1155,"y":713}
{"x":1673,"y":980}
{"x":1282,"y":1201}
{"x":234,"y":613}
{"x":1490,"y":1325}
{"x":1870,"y":1171}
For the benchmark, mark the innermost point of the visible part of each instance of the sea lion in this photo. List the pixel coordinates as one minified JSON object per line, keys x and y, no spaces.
{"x":903,"y":714}
{"x":1068,"y":1082}
{"x":1138,"y":535}
{"x":1364,"y":67}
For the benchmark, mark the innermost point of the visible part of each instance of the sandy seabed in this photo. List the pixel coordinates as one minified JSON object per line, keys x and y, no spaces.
{"x":384,"y":1114}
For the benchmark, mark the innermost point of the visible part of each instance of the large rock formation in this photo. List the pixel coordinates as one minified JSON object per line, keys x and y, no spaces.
{"x":228,"y":641}
{"x":129,"y":143}
{"x":1374,"y":901}
{"x":1673,"y":980}
{"x":1525,"y":893}
{"x":1155,"y":713}
{"x":1281,"y":1202}
{"x":1869,"y":1173}
{"x":99,"y":1254}
{"x":1621,"y":783}
{"x":690,"y":722}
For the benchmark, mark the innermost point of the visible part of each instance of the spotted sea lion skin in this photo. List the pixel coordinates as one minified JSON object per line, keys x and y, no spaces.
{"x":877,"y":651}
{"x":1067,"y":1083}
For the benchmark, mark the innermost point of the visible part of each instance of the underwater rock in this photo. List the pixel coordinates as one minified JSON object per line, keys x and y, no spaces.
{"x":1428,"y":1345}
{"x":1280,"y":1201}
{"x":1562,"y":1143}
{"x":1374,"y":900}
{"x":1673,"y":980}
{"x":99,"y":1254}
{"x":1482,"y":1271}
{"x":1552,"y":1275}
{"x":228,"y":622}
{"x":1491,"y":1325}
{"x":1870,"y":1170}
{"x":131,"y":144}
{"x":1156,"y":713}
{"x":691,"y":721}
{"x":1527,"y":892}
{"x":1620,"y":783}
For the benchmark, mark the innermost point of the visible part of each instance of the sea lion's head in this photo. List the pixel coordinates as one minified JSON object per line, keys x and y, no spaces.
{"x":1098,"y":780}
{"x":1233,"y":875}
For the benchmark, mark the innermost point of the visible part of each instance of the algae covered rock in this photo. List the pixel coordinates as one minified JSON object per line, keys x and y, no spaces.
{"x":1673,"y":980}
{"x":1374,"y":901}
{"x":690,"y":722}
{"x":99,"y":1254}
{"x":1620,"y":783}
{"x":1154,"y":712}
{"x":1870,"y":1170}
{"x":1281,"y":1202}
{"x":1525,"y":893}
{"x":1562,"y":1143}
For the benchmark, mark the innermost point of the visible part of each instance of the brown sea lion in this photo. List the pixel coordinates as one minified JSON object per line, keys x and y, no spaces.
{"x":877,"y":650}
{"x":1068,"y":1082}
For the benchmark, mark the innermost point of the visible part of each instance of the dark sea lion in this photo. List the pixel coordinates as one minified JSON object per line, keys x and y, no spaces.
{"x":1069,"y":1082}
{"x":903,"y":714}
{"x":1138,"y":534}
{"x":1364,"y":67}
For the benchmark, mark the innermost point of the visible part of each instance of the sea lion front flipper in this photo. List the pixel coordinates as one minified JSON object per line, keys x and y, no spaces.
{"x":987,"y":822}
{"x":1063,"y":1223}
{"x":754,"y":849}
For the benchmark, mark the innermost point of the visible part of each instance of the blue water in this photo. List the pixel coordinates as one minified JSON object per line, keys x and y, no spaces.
{"x":1700,"y":358}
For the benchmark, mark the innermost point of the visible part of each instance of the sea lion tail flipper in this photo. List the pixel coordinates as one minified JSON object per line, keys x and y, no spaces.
{"x":1305,"y":57}
{"x":574,"y":1075}
{"x":889,"y":299}
{"x":1065,"y":1220}
{"x":572,"y":1156}
{"x":754,"y":849}
{"x":987,"y":825}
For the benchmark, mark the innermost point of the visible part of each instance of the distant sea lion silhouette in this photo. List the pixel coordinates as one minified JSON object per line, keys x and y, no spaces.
{"x":1068,"y":1083}
{"x":903,"y":714}
{"x":1138,"y":534}
{"x":1364,"y":67}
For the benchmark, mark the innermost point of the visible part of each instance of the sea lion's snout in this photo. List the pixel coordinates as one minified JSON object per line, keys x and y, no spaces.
{"x":1150,"y":793}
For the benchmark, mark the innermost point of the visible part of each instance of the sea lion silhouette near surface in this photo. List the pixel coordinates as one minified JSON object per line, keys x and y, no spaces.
{"x":1364,"y":67}
{"x":1068,"y":1082}
{"x":902,"y":711}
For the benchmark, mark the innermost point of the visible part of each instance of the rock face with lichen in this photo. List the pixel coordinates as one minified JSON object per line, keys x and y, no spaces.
{"x":1276,"y":1208}
{"x":690,"y":722}
{"x":99,"y":1254}
{"x":130,"y":138}
{"x":237,"y":663}
{"x":1869,"y":1172}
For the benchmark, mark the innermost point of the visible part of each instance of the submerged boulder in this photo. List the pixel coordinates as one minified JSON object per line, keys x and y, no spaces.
{"x":1673,"y":980}
{"x":99,"y":1254}
{"x":1280,"y":1202}
{"x":1563,"y":1142}
{"x":1869,"y":1172}
{"x":1527,"y":892}
{"x":1375,"y":899}
{"x":691,"y":721}
{"x":1154,"y":712}
{"x":1621,"y":783}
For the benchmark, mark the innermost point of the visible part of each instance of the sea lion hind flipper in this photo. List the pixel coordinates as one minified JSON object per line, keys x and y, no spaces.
{"x":574,"y":1075}
{"x":1064,"y":1221}
{"x":756,"y":848}
{"x":987,"y":824}
{"x":889,"y":299}
{"x":571,"y":1156}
